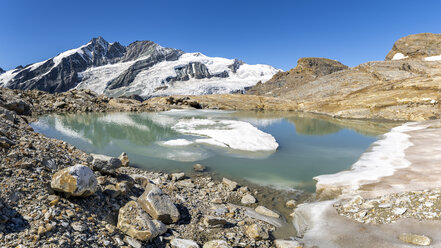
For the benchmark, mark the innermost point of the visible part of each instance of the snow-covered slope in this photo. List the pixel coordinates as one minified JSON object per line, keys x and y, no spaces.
{"x":142,"y":68}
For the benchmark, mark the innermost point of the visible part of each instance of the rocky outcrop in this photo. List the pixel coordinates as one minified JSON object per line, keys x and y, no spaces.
{"x":2,"y":71}
{"x":77,"y":180}
{"x":60,"y":73}
{"x":152,"y":53}
{"x":416,"y":46}
{"x":195,"y":70}
{"x":307,"y":70}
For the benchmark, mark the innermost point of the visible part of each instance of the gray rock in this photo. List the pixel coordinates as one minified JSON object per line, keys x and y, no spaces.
{"x":158,"y":205}
{"x":211,"y":221}
{"x":105,"y":164}
{"x":133,"y":242}
{"x":19,"y":106}
{"x":78,"y":226}
{"x":77,"y":180}
{"x":183,"y":243}
{"x":277,"y":222}
{"x":8,"y":114}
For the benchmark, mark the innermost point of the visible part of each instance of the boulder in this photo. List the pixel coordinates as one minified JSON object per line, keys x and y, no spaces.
{"x":291,"y":204}
{"x":231,"y":185}
{"x":8,"y":114}
{"x":216,"y":244}
{"x":19,"y":106}
{"x":183,"y":243}
{"x":105,"y":164}
{"x":178,"y":176}
{"x":124,"y":159}
{"x":248,"y":199}
{"x":158,"y":205}
{"x":77,"y":180}
{"x":199,"y":167}
{"x":136,"y":223}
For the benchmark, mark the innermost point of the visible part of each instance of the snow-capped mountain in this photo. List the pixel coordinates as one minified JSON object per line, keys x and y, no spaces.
{"x":143,"y":67}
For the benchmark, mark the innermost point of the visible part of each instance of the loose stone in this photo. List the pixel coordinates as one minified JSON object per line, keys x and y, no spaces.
{"x":158,"y":205}
{"x":183,"y":243}
{"x":77,"y":180}
{"x":135,"y":222}
{"x":265,"y":211}
{"x":216,"y":244}
{"x":248,"y":199}
{"x":257,"y":232}
{"x":415,"y":239}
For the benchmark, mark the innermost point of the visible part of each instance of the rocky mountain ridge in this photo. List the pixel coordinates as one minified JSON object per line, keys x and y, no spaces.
{"x":403,"y":87}
{"x":143,"y":67}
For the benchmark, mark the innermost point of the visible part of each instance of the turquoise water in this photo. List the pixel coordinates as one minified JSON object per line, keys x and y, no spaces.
{"x":224,"y":141}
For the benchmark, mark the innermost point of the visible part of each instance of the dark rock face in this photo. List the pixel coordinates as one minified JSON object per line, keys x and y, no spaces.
{"x":194,"y":70}
{"x":307,"y":70}
{"x":62,"y":75}
{"x":417,"y":46}
{"x":235,"y":66}
{"x":2,"y":71}
{"x":153,"y":53}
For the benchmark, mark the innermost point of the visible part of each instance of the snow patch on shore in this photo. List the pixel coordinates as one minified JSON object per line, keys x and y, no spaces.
{"x":386,"y":156}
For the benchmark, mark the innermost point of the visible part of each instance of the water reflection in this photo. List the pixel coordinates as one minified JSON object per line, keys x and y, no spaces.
{"x":309,"y":145}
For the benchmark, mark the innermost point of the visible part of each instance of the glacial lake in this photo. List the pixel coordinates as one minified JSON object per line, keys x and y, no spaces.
{"x":281,"y":149}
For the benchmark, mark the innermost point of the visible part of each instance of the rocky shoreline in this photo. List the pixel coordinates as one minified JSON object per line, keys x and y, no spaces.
{"x":48,"y":200}
{"x":212,"y":212}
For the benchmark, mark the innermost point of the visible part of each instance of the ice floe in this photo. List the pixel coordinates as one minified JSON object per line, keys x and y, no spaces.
{"x":234,"y":134}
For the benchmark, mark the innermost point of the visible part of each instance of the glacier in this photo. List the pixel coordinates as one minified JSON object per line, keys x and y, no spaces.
{"x":143,"y":68}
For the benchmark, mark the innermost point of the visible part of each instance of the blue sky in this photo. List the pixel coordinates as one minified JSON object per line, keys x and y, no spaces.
{"x":267,"y":32}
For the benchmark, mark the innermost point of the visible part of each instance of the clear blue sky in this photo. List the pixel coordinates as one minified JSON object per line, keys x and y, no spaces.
{"x":269,"y":32}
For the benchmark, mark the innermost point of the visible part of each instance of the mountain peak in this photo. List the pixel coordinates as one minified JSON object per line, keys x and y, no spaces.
{"x":2,"y":71}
